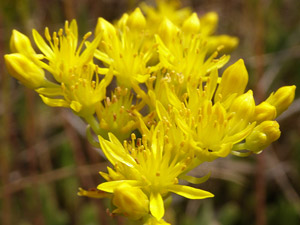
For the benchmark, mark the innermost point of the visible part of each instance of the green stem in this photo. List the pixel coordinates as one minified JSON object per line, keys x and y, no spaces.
{"x":91,"y":120}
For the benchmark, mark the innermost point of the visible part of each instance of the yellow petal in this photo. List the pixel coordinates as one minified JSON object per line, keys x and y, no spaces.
{"x":115,"y":153}
{"x":74,"y":30}
{"x":190,"y":192}
{"x":21,"y":43}
{"x":141,"y":78}
{"x":234,"y":80}
{"x":53,"y":102}
{"x":110,"y":186}
{"x":157,"y":205}
{"x":42,"y":45}
{"x":192,"y":24}
{"x":195,"y":180}
{"x":76,"y":106}
{"x":136,"y":20}
{"x":93,"y":193}
{"x":209,"y":23}
{"x":264,"y":111}
{"x":167,"y":30}
{"x":51,"y":91}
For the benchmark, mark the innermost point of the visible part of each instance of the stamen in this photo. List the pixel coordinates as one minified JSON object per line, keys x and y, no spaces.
{"x":47,"y":34}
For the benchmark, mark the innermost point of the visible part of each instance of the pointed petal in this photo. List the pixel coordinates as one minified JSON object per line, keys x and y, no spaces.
{"x":51,"y":91}
{"x":157,"y":205}
{"x":195,"y":180}
{"x":111,"y":185}
{"x":74,"y":30}
{"x":142,"y":78}
{"x":55,"y":102}
{"x":93,"y":193}
{"x":115,"y":153}
{"x":190,"y":192}
{"x":103,"y":57}
{"x":42,"y":45}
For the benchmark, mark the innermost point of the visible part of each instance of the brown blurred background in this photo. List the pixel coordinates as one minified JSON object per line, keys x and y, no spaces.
{"x":44,"y":156}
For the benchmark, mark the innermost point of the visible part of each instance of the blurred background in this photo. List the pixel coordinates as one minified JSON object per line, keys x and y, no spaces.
{"x":44,"y":156}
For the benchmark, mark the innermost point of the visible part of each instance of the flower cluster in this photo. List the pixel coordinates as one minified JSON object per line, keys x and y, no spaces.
{"x":162,"y":69}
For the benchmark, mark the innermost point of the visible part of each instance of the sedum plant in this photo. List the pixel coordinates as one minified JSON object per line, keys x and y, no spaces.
{"x":169,"y":109}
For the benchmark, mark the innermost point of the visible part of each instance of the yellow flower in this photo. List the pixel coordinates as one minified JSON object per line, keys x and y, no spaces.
{"x":221,"y":119}
{"x":76,"y":85}
{"x":165,"y":9}
{"x":185,"y":54}
{"x":150,"y":166}
{"x":63,"y":52}
{"x":82,"y":93}
{"x":117,"y":114}
{"x":124,"y":49}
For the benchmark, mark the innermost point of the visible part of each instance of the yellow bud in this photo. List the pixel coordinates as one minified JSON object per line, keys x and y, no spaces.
{"x":131,"y":201}
{"x":105,"y":28}
{"x":209,"y":23}
{"x":244,"y":106}
{"x":24,"y":70}
{"x":264,"y":111}
{"x":282,"y":98}
{"x":136,"y":20}
{"x":228,"y":43}
{"x":167,"y":30}
{"x":234,"y":80}
{"x":21,"y":43}
{"x":262,"y":136}
{"x":191,"y":25}
{"x":122,"y":21}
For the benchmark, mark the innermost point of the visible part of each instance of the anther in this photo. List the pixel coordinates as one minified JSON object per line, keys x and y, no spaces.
{"x":60,"y":32}
{"x":87,"y":35}
{"x":47,"y":34}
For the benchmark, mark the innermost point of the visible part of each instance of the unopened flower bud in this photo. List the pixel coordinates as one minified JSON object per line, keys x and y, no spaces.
{"x":228,"y":43}
{"x":262,"y":136}
{"x":244,"y":106}
{"x":234,"y":80}
{"x":209,"y":23}
{"x":264,"y":111}
{"x":191,"y":25}
{"x":136,"y":20}
{"x":167,"y":30}
{"x":21,"y":43}
{"x":122,"y":21}
{"x":282,"y":98}
{"x":130,"y":201}
{"x":105,"y":28}
{"x":24,"y":70}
